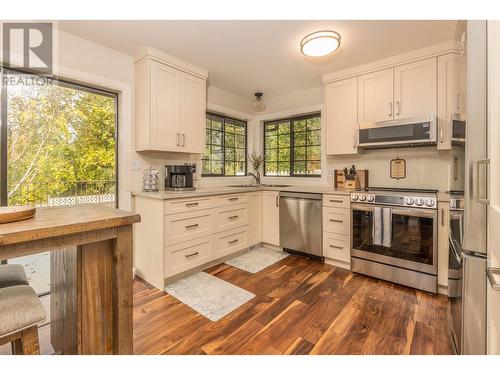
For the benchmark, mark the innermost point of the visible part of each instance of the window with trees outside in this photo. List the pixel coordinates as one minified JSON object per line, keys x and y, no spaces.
{"x":225,"y":147}
{"x":293,"y":146}
{"x":58,"y":148}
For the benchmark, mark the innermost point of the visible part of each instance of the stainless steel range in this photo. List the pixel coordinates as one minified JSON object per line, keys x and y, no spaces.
{"x":394,"y":236}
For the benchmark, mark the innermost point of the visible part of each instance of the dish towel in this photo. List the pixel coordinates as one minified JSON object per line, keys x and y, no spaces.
{"x":377,"y":226}
{"x":387,"y":227}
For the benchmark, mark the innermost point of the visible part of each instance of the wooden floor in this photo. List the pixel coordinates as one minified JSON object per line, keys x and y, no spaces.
{"x":301,"y":306}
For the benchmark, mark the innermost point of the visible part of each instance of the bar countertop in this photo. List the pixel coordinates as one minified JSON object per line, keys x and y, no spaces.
{"x":64,"y":220}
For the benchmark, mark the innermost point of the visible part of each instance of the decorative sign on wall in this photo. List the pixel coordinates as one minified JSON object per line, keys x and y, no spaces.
{"x":398,"y":168}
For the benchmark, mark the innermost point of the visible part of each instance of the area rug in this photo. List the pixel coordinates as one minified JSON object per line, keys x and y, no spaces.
{"x":208,"y":295}
{"x":256,"y":260}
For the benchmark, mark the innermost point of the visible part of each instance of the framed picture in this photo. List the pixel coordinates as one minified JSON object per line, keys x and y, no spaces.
{"x":398,"y":168}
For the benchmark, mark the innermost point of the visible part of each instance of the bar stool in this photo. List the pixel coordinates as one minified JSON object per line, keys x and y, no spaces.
{"x":12,"y":274}
{"x":20,"y":312}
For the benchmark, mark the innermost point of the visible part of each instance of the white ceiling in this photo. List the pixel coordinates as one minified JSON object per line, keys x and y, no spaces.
{"x":243,"y":57}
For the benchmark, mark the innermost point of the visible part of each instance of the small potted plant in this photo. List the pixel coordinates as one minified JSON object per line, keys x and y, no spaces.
{"x":256,"y":160}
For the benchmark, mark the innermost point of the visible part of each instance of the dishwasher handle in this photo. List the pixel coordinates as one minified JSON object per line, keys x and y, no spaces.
{"x":299,"y":195}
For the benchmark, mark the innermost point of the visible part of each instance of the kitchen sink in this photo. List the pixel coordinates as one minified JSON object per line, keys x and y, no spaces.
{"x":274,"y":185}
{"x":243,"y":186}
{"x":262,"y":185}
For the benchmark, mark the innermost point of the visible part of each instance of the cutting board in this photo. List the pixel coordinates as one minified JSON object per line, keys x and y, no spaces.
{"x":16,"y":213}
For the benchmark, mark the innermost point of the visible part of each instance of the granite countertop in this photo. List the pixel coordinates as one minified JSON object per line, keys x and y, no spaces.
{"x":216,"y":190}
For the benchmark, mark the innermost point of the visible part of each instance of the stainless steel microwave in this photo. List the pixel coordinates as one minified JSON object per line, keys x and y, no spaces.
{"x":398,"y":133}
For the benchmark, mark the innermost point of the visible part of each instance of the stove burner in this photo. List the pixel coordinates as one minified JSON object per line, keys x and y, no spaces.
{"x":414,"y":198}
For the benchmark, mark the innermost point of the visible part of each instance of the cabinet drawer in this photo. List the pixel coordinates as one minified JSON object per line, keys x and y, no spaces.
{"x":175,"y":206}
{"x":231,"y":199}
{"x":336,"y":220}
{"x":340,"y":201}
{"x":186,"y":226}
{"x":230,"y":217}
{"x":231,"y":241}
{"x":337,"y":246}
{"x":187,"y":255}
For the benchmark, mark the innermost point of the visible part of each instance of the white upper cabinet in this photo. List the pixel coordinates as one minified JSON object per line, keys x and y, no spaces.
{"x":375,"y":96}
{"x":415,"y":89}
{"x":192,"y":117}
{"x":450,"y":96}
{"x":341,"y":100}
{"x":170,"y":104}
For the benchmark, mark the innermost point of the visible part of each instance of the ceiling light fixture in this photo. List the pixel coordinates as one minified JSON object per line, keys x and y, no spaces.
{"x":320,"y":43}
{"x":259,"y":105}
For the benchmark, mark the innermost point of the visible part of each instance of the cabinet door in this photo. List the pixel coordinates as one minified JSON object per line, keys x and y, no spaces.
{"x":255,"y":218}
{"x":448,"y":97}
{"x":165,"y":104}
{"x":342,"y":117}
{"x":193,"y":108}
{"x":270,"y":218}
{"x":375,"y":96}
{"x":415,"y":89}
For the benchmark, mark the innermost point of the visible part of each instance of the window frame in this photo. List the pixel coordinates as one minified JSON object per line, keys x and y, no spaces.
{"x":292,"y":120}
{"x":223,"y":145}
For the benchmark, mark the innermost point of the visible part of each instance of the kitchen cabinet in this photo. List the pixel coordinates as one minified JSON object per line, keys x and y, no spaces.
{"x":376,"y":96}
{"x":415,"y":89}
{"x":451,"y":96}
{"x":270,"y":218}
{"x":170,"y":106}
{"x":341,"y":103}
{"x":337,"y":230}
{"x":405,"y":91}
{"x":255,"y":218}
{"x":443,"y":248}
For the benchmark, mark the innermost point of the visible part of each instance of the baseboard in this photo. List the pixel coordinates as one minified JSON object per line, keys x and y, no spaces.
{"x":338,"y":263}
{"x":269,"y":246}
{"x":443,"y":289}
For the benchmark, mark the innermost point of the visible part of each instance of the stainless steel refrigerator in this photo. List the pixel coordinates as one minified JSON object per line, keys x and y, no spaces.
{"x":468,"y":300}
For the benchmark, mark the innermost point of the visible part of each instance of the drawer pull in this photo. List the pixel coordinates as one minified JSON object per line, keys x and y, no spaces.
{"x":192,"y":226}
{"x":233,"y":241}
{"x":233,"y":217}
{"x":191,"y":255}
{"x":232,"y":199}
{"x":336,"y":221}
{"x":336,"y":247}
{"x":336,"y":201}
{"x":192,"y":204}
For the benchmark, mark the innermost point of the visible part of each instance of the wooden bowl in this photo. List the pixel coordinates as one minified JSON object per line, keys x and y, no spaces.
{"x":16,"y":213}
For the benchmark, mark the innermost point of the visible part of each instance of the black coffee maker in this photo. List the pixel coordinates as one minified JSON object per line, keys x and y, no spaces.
{"x":179,"y":177}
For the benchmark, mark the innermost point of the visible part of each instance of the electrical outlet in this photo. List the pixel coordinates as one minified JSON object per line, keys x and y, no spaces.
{"x":136,"y":165}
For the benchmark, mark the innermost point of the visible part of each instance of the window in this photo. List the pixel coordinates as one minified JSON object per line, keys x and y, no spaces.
{"x":225,"y":147}
{"x":293,"y":146}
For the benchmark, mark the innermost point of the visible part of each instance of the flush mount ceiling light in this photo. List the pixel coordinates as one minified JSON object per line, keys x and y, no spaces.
{"x":259,"y":105}
{"x":320,"y":43}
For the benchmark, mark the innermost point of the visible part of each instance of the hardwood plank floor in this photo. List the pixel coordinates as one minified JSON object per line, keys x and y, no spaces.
{"x":302,"y":306}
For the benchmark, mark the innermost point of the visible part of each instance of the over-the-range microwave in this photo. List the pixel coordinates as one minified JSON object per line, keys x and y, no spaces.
{"x":398,"y":133}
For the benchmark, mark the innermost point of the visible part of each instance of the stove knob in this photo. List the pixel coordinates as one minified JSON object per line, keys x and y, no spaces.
{"x":362,"y":197}
{"x":370,"y":198}
{"x":354,"y":197}
{"x":429,"y":202}
{"x":409,"y":201}
{"x":419,"y":201}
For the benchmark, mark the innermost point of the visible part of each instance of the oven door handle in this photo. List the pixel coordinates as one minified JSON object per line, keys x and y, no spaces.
{"x":417,"y":212}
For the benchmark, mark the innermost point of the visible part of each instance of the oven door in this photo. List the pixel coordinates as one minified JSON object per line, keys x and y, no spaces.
{"x":413,"y":242}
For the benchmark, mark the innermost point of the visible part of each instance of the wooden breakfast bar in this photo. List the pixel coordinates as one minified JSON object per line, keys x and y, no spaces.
{"x":91,"y":273}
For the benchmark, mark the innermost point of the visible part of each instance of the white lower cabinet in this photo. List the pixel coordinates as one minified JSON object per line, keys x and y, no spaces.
{"x":337,"y":231}
{"x":271,"y":217}
{"x":179,"y":235}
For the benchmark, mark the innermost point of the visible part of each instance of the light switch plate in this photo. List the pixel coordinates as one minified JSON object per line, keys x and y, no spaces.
{"x":331,"y":172}
{"x":136,"y":165}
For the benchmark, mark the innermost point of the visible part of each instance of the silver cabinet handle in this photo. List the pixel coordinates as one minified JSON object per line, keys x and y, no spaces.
{"x":192,"y":204}
{"x":233,"y":217}
{"x":336,"y":221}
{"x":336,"y":201}
{"x":390,"y":109}
{"x":482,"y":177}
{"x":233,"y":241}
{"x":192,"y":226}
{"x":183,"y":140}
{"x":277,"y":201}
{"x":442,"y":217}
{"x":441,"y":137}
{"x":232,"y":199}
{"x":455,"y":169}
{"x":178,"y":139}
{"x":398,"y":104}
{"x":191,"y":255}
{"x":494,"y":277}
{"x":336,"y":247}
{"x":458,"y":102}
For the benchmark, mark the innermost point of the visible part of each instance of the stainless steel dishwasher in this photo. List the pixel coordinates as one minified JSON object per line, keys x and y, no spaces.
{"x":301,"y":223}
